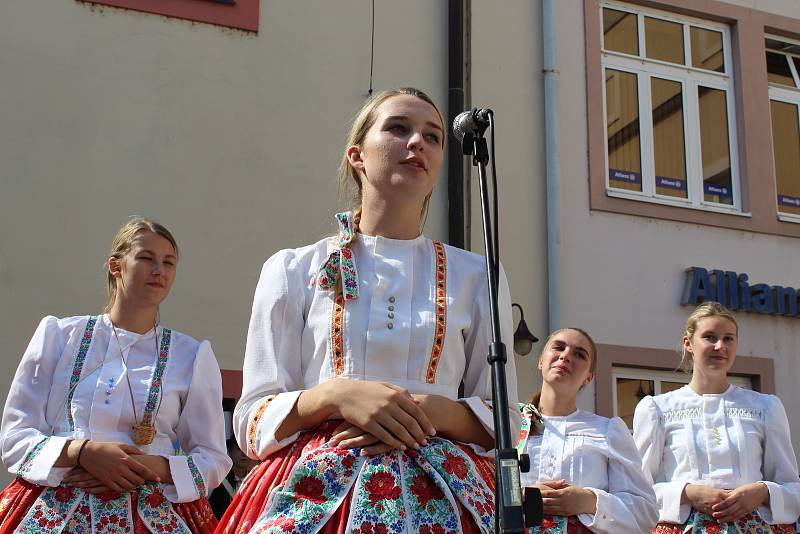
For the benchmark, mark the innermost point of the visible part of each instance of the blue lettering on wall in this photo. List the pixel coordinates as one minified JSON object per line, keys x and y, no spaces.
{"x":734,"y":291}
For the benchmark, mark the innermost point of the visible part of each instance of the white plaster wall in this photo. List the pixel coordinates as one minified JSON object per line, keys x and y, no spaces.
{"x":230,"y":139}
{"x":507,"y":77}
{"x":624,"y":275}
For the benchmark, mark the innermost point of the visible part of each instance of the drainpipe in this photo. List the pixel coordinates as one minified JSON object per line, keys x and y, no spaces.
{"x":553,"y":167}
{"x":455,"y":105}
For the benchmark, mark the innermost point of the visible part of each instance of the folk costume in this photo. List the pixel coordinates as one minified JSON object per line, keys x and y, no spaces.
{"x":411,"y":312}
{"x":721,"y":440}
{"x":79,"y":379}
{"x":592,"y":452}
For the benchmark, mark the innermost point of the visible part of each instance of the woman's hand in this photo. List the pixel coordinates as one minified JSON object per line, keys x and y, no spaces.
{"x":158,"y":464}
{"x":78,"y":477}
{"x":111,"y":464}
{"x":703,"y":498}
{"x":387,"y":412}
{"x":347,"y":436}
{"x":454,"y":420}
{"x":560,"y":498}
{"x":740,"y":502}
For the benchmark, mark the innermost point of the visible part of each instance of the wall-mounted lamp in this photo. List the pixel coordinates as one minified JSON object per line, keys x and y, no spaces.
{"x":523,"y":338}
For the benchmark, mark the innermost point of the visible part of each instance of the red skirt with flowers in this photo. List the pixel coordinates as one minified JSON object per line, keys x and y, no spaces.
{"x":441,"y":488}
{"x":699,"y":523}
{"x":29,"y":508}
{"x":560,"y":525}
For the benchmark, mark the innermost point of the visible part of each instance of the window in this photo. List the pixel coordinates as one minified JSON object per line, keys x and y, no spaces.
{"x":241,"y":14}
{"x":631,"y":385}
{"x":783,"y":72}
{"x":669,"y":110}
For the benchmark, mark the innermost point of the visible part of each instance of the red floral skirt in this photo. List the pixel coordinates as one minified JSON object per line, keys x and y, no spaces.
{"x":19,"y":496}
{"x":699,"y":523}
{"x":273,"y":472}
{"x":558,"y":525}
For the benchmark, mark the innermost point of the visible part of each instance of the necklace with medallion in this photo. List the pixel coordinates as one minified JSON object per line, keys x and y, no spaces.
{"x":144,"y":431}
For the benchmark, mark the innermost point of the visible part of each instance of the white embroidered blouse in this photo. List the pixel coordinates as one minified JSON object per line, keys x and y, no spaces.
{"x":725,"y":441}
{"x":598,"y":454}
{"x":40,"y":415}
{"x":392,"y":332}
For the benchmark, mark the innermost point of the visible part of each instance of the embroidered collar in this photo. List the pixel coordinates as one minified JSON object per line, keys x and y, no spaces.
{"x":341,"y":260}
{"x":532,"y":423}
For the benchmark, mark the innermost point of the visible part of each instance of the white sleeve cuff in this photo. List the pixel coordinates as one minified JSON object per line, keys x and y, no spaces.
{"x":183,"y":487}
{"x":261,"y":435}
{"x":39,"y":469}
{"x":669,"y":500}
{"x":481,"y":411}
{"x":771,"y":513}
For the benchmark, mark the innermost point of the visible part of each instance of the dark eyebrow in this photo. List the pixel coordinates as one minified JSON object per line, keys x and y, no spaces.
{"x":404,"y":118}
{"x":148,"y":251}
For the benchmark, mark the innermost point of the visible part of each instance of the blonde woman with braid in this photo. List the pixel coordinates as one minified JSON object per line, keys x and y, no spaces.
{"x":113,"y":422}
{"x":720,"y":457}
{"x":586,"y":466}
{"x":356,"y":349}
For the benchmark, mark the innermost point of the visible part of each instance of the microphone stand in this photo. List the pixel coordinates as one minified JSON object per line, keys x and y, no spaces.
{"x":510,"y":508}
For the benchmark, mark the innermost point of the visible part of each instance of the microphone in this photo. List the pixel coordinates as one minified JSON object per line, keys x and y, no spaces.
{"x":471,"y":120}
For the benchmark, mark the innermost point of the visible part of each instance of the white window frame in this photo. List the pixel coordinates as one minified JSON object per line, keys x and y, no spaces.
{"x":788,"y":95}
{"x":658,"y":376}
{"x":690,"y":78}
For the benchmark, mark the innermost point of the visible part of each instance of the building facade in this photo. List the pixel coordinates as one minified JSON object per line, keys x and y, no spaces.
{"x":648,"y":156}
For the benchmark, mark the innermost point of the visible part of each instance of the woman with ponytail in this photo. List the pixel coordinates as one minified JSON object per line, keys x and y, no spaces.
{"x":720,"y":456}
{"x":356,"y":349}
{"x":113,"y":422}
{"x":586,"y":466}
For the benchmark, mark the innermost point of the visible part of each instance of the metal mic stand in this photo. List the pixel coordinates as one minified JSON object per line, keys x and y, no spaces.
{"x":510,"y":508}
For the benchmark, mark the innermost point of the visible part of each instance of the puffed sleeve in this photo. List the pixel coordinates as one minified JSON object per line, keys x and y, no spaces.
{"x":628,"y":506}
{"x":272,"y":373}
{"x":779,"y":468}
{"x":648,"y":433}
{"x":478,"y":373}
{"x":201,"y":433}
{"x":27,"y":447}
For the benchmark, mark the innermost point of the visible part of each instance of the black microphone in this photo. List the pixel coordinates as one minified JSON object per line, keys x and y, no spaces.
{"x":471,"y":120}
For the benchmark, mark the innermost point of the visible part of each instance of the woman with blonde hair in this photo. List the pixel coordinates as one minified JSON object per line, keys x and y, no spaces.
{"x":720,"y":457}
{"x":356,"y":349}
{"x":586,"y":466}
{"x":114,"y":423}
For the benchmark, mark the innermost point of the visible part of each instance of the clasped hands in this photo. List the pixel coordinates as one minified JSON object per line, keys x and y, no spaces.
{"x":726,"y":505}
{"x":560,"y":498}
{"x":114,"y":467}
{"x":379,"y":416}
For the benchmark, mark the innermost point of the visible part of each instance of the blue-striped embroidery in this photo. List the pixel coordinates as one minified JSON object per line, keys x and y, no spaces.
{"x":157,"y":377}
{"x":199,"y":483}
{"x":77,"y":367}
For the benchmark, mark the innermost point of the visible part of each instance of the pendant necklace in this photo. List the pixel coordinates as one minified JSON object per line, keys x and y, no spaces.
{"x":143,"y":431}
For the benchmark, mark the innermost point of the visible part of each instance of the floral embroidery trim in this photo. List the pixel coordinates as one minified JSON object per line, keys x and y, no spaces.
{"x":197,"y":477}
{"x":316,"y":486}
{"x":50,"y":511}
{"x":552,"y":524}
{"x":337,"y":336}
{"x":699,"y":523}
{"x":253,"y":426}
{"x":156,"y":379}
{"x":157,"y":512}
{"x":77,"y":367}
{"x":378,"y":497}
{"x":341,"y":262}
{"x":531,"y":418}
{"x":26,"y":464}
{"x":111,"y":512}
{"x":440,"y":328}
